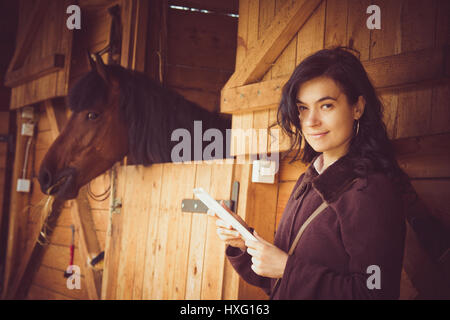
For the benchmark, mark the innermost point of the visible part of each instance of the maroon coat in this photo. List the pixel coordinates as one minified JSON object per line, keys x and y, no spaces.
{"x":363,"y":225}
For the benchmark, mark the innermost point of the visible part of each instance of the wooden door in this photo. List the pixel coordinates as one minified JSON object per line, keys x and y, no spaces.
{"x":156,"y":251}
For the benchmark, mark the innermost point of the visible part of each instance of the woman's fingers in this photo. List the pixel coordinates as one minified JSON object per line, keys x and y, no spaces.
{"x":232,"y":234}
{"x":252,"y":252}
{"x":223,"y":224}
{"x":253,"y":244}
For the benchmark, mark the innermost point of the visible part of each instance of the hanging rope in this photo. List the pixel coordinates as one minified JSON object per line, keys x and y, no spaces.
{"x":100,"y":197}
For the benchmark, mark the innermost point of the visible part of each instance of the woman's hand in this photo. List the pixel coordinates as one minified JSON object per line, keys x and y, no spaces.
{"x":227,"y":233}
{"x":267,"y":259}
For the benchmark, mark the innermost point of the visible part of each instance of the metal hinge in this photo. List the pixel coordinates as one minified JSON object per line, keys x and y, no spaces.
{"x":115,"y":207}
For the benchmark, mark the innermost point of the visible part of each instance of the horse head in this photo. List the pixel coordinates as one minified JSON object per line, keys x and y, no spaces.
{"x":94,"y":138}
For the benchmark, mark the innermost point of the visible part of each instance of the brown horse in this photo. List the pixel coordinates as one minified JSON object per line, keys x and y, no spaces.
{"x":118,"y":112}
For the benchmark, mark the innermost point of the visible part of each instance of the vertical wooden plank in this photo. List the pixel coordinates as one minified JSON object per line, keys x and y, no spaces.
{"x":442,"y":23}
{"x":358,"y":35}
{"x":64,"y":45}
{"x":151,"y":179}
{"x":161,"y":238}
{"x":277,"y":140}
{"x":130,"y":206}
{"x":266,"y":14}
{"x":440,"y":114}
{"x":388,"y":40}
{"x":253,"y":24}
{"x":242,"y":137}
{"x":232,"y":283}
{"x":236,"y":125}
{"x":152,"y":231}
{"x":241,"y":50}
{"x":88,"y":243}
{"x":214,"y":261}
{"x":183,"y":233}
{"x":113,"y":237}
{"x":178,"y":184}
{"x":418,"y":25}
{"x":260,"y":124}
{"x":261,"y":210}
{"x":440,"y":111}
{"x":336,"y":23}
{"x":285,"y":64}
{"x":198,"y":238}
{"x":390,"y":106}
{"x":311,"y":36}
{"x":17,"y":218}
{"x":135,"y":211}
{"x":414,"y":112}
{"x":248,"y":139}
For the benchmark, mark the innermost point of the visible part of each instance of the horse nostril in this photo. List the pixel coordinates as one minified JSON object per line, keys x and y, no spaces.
{"x":45,"y":179}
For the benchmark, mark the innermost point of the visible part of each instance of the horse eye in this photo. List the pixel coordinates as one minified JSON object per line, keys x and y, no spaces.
{"x":92,"y":116}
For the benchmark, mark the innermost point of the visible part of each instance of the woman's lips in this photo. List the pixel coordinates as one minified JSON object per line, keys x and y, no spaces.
{"x":318,"y":135}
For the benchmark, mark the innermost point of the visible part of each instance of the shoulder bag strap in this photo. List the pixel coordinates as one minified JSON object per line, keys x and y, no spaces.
{"x":304,"y":225}
{"x":298,"y":236}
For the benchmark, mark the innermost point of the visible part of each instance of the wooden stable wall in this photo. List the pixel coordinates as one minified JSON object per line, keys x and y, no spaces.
{"x":201,"y":50}
{"x":198,"y":79}
{"x":152,"y":249}
{"x":407,"y":60}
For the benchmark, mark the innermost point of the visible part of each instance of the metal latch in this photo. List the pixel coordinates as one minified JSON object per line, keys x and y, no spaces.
{"x":196,"y":206}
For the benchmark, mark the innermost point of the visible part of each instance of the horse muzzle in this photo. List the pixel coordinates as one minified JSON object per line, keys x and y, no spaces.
{"x":63,"y":185}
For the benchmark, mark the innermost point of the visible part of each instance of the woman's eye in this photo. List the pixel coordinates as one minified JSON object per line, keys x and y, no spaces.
{"x":327,"y":106}
{"x":301,"y":108}
{"x":92,"y":115}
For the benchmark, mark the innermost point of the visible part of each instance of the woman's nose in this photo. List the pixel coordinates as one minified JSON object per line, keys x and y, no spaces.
{"x":310,"y":118}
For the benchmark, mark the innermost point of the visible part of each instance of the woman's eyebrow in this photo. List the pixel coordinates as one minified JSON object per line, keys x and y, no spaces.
{"x":321,"y":99}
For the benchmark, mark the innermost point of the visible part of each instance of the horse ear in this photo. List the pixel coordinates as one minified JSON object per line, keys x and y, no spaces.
{"x":90,"y":60}
{"x":101,"y":68}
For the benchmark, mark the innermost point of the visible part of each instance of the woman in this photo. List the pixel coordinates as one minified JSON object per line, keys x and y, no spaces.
{"x":354,"y":248}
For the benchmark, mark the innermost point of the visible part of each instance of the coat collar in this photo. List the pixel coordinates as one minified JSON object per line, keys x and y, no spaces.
{"x":337,"y":178}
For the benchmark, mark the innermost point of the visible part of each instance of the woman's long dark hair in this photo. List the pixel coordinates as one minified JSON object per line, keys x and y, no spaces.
{"x":371,"y":148}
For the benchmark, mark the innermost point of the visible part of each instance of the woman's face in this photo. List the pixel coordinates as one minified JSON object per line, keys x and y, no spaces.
{"x":326,"y":118}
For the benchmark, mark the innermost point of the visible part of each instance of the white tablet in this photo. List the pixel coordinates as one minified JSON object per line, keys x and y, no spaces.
{"x":226,"y":215}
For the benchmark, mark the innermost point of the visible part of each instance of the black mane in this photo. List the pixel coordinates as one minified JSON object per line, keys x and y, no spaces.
{"x":151,"y":112}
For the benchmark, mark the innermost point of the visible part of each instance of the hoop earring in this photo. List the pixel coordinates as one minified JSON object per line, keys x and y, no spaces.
{"x":357,"y":127}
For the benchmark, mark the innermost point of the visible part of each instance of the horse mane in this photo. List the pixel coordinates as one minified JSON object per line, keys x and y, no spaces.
{"x":151,"y":111}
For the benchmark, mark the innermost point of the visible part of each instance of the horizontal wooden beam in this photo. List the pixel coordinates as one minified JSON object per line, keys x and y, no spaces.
{"x":252,"y":97}
{"x":283,"y":28}
{"x":386,"y":73}
{"x":44,"y":66}
{"x":424,"y":157}
{"x":408,"y":68}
